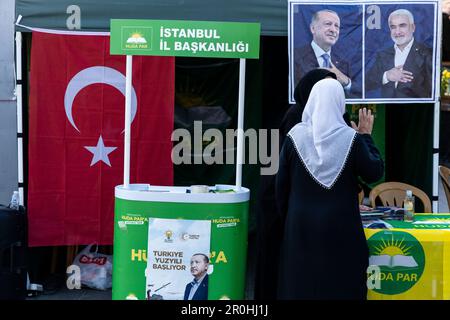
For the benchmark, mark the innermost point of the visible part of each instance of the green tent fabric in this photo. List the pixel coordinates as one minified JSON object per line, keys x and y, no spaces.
{"x":378,"y":132}
{"x":96,"y":15}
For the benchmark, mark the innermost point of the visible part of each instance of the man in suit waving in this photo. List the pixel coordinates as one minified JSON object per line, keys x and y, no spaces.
{"x":403,"y":70}
{"x":324,"y":27}
{"x":198,"y":288}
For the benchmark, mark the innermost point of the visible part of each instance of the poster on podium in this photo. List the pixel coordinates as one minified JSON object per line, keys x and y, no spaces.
{"x":178,"y":259}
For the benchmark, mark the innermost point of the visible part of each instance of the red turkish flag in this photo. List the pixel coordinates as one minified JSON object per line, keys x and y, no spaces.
{"x":76,"y":123}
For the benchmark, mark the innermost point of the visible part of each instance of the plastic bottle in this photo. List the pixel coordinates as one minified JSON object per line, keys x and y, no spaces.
{"x":408,"y":205}
{"x":15,"y":201}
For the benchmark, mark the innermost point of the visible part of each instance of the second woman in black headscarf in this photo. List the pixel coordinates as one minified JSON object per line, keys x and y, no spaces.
{"x":301,"y":95}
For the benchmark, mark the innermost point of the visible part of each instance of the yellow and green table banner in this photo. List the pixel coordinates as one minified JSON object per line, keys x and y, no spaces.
{"x":410,"y":261}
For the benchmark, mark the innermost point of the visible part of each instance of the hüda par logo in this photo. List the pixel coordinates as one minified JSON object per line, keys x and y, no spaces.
{"x":137,"y":38}
{"x":400,"y":261}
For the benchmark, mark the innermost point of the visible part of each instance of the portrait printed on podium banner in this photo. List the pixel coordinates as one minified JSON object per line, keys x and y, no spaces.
{"x":178,"y":259}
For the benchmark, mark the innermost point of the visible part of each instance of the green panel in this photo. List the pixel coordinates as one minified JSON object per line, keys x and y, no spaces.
{"x":378,"y":132}
{"x":185,"y":38}
{"x":228,"y":244}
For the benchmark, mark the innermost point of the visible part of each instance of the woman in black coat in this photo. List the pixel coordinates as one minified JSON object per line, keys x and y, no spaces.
{"x":324,"y":253}
{"x":269,"y":224}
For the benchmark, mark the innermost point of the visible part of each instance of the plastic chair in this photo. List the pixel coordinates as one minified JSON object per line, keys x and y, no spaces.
{"x":392,"y":194}
{"x":444,"y":172}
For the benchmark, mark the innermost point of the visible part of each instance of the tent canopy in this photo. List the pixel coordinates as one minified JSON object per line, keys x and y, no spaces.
{"x":96,"y":15}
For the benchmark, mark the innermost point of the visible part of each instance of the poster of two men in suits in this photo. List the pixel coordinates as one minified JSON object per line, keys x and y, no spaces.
{"x":381,"y":52}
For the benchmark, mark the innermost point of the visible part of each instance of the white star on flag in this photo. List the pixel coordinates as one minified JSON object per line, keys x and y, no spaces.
{"x":100,"y":152}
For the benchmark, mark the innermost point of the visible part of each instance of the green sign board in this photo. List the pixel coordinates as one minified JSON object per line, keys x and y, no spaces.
{"x":424,"y":221}
{"x":185,"y":38}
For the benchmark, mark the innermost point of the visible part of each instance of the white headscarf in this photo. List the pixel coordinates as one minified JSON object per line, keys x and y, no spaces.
{"x":323,"y":140}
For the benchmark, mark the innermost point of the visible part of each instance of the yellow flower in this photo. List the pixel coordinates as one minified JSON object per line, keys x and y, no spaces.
{"x":446,"y":74}
{"x":445,"y":79}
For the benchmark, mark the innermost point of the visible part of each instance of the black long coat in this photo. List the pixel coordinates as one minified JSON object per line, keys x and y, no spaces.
{"x":324,"y":253}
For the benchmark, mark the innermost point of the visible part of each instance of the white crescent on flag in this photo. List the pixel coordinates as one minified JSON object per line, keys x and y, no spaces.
{"x":91,"y":75}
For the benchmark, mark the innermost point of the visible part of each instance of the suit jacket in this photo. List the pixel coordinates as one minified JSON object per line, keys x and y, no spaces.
{"x":201,"y":293}
{"x":305,"y":60}
{"x":418,"y":62}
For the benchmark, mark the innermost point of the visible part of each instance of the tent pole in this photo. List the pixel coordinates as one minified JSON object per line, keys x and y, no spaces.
{"x":240,"y":124}
{"x":127,"y":139}
{"x":19,"y":116}
{"x":437,"y":109}
{"x":436,"y":158}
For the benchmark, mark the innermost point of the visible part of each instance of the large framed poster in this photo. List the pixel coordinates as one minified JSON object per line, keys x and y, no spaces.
{"x":381,"y":52}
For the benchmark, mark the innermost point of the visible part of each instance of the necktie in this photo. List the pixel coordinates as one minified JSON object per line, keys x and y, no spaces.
{"x":326,"y":60}
{"x":191,"y":291}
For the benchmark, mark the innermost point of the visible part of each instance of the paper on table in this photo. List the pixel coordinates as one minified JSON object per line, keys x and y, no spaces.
{"x":437,"y":221}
